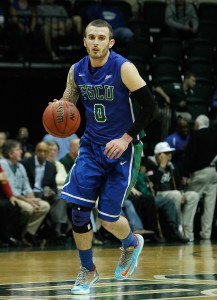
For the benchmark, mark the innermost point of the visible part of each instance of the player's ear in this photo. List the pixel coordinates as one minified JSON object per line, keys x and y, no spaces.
{"x":84,"y":40}
{"x":111,"y":43}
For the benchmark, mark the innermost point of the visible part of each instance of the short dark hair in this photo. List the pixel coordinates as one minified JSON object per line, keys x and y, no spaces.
{"x":188,"y":74}
{"x":9,"y":146}
{"x":100,"y":23}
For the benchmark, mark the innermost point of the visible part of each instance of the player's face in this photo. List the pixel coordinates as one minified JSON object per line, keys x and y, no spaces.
{"x":97,"y":42}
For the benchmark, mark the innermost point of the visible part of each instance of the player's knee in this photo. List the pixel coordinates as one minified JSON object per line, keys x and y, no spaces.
{"x":81,"y":222}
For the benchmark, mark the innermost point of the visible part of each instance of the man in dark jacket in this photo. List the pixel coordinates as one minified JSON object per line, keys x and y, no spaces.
{"x":42,"y":174}
{"x":200,"y":167}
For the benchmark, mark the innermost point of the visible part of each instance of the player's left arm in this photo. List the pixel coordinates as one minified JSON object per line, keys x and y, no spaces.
{"x":141,"y":93}
{"x":139,"y":90}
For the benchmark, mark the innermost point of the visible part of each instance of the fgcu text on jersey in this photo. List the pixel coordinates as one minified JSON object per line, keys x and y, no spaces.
{"x":109,"y":109}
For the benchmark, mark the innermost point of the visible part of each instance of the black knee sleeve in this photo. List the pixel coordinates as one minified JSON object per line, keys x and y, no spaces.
{"x":81,"y":222}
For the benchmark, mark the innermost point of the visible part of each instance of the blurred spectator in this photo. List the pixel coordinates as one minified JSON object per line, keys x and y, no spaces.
{"x":176,"y":94}
{"x":9,"y":213}
{"x":55,"y":22}
{"x":23,"y":16}
{"x":106,"y":11}
{"x":32,"y":208}
{"x":168,"y":222}
{"x":42,"y":174}
{"x":24,"y":19}
{"x":129,"y":212}
{"x":135,"y":6}
{"x":23,"y":137}
{"x":179,"y":140}
{"x":200,"y":167}
{"x":181,"y":19}
{"x":69,"y":159}
{"x":167,"y":183}
{"x":3,"y":137}
{"x":61,"y":172}
{"x":147,"y":212}
{"x":64,"y":143}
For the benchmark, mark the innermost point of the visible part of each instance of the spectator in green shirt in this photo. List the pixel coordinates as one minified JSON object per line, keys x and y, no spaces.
{"x":69,"y":159}
{"x":176,"y":94}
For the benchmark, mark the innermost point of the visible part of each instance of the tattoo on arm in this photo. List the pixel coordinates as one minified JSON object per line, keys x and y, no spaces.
{"x":71,"y":92}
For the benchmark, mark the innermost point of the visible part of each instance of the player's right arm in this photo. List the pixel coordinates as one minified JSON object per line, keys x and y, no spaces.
{"x":71,"y":92}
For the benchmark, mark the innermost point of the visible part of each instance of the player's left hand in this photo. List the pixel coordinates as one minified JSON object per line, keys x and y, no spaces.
{"x":116,"y":147}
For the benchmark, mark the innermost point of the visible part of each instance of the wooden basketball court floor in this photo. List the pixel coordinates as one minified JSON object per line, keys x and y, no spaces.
{"x":165,"y":271}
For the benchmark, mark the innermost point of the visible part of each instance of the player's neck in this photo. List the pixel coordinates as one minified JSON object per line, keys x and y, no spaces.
{"x":99,"y":62}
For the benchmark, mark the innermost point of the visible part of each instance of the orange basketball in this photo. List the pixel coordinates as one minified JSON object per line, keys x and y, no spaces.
{"x":61,"y":119}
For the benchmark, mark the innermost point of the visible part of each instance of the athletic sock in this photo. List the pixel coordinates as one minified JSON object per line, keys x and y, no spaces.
{"x":130,"y":240}
{"x":86,"y":257}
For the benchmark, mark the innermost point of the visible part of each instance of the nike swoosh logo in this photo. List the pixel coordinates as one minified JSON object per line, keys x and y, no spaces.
{"x":81,"y":75}
{"x":127,"y":270}
{"x":123,"y":162}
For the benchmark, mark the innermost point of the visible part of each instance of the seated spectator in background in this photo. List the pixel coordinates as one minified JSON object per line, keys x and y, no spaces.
{"x":23,"y":136}
{"x":69,"y":159}
{"x":61,"y":172}
{"x":32,"y":207}
{"x":3,"y":137}
{"x":64,"y":143}
{"x":105,"y":10}
{"x":135,"y":6}
{"x":55,"y":22}
{"x":181,"y":19}
{"x":176,"y":94}
{"x":24,"y":18}
{"x":129,"y":212}
{"x":147,"y":212}
{"x":200,"y":168}
{"x":167,"y":183}
{"x":166,"y":209}
{"x":179,"y":140}
{"x":9,"y":213}
{"x":42,"y":175}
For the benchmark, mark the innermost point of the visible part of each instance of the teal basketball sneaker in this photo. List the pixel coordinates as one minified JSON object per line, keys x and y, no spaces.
{"x":84,"y":280}
{"x":129,"y":259}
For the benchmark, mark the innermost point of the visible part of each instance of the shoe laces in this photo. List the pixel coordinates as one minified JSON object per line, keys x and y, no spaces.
{"x":82,"y":276}
{"x":125,"y":256}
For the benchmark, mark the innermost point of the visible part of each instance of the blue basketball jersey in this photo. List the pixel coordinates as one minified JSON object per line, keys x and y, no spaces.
{"x":110,"y":112}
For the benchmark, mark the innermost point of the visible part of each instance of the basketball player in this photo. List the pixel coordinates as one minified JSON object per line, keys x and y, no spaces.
{"x":109,"y":151}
